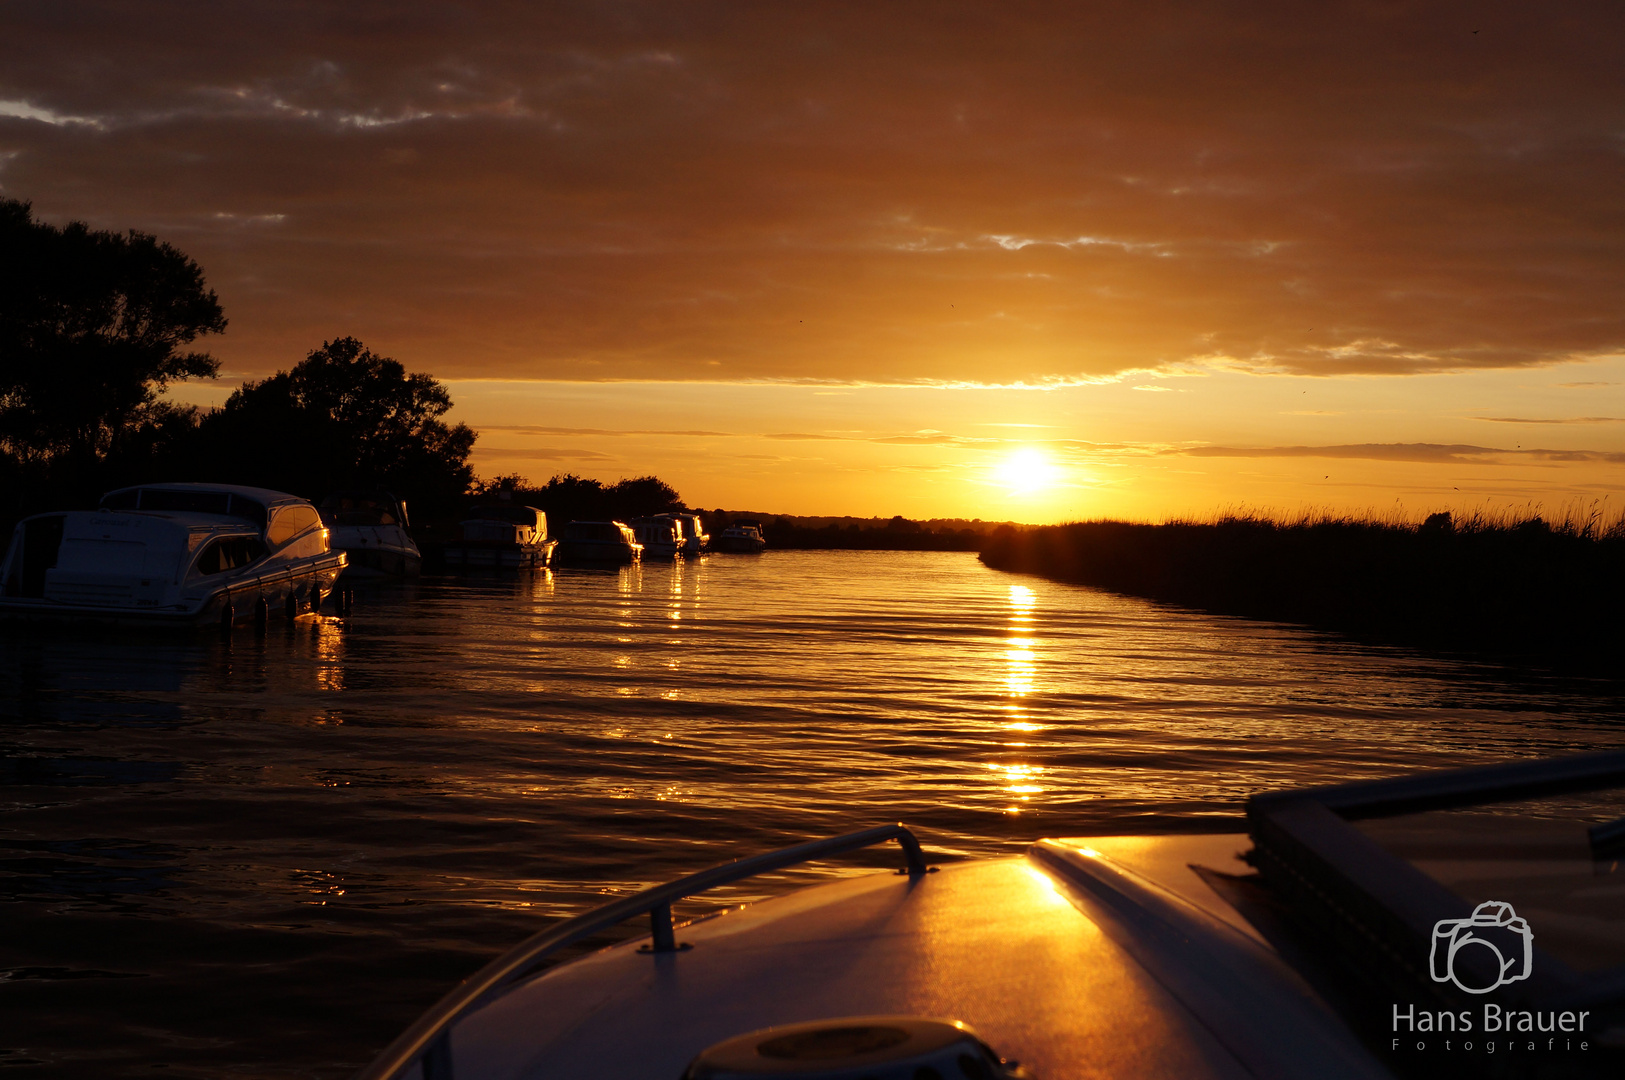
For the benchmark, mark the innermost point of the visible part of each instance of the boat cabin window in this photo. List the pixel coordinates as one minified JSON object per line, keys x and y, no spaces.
{"x":121,"y":500}
{"x":229,"y":554}
{"x":42,"y":542}
{"x":223,"y":503}
{"x":517,"y":515}
{"x":289,"y":522}
{"x":361,"y":516}
{"x":601,"y":531}
{"x":362,"y":510}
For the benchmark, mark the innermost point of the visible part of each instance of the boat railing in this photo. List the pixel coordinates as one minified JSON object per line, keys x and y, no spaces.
{"x":429,"y":1040}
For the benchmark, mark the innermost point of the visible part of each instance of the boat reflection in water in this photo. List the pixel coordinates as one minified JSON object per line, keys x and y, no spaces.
{"x":502,"y":535}
{"x":370,"y":528}
{"x":182,"y":554}
{"x":598,"y":543}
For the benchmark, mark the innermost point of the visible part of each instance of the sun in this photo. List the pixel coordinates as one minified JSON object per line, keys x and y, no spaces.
{"x":1026,"y":471}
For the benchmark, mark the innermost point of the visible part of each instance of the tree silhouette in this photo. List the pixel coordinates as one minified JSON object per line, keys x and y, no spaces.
{"x":93,"y":326}
{"x":568,"y":497}
{"x":344,"y":417}
{"x":640,"y":496}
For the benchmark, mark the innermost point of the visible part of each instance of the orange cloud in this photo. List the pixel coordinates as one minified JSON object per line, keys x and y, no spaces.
{"x":887,"y":194}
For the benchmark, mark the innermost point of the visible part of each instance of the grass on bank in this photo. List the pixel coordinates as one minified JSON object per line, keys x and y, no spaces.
{"x":1508,"y":581}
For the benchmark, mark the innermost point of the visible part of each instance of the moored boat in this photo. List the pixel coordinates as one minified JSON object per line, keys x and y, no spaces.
{"x":740,"y":538}
{"x":695,"y":540}
{"x":602,"y":543}
{"x":370,"y":528}
{"x":182,"y":554}
{"x":1306,"y":947}
{"x":504,"y":535}
{"x":661,"y":537}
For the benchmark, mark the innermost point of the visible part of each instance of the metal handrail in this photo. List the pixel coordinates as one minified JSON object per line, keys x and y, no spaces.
{"x":1454,"y":788}
{"x":426,"y":1038}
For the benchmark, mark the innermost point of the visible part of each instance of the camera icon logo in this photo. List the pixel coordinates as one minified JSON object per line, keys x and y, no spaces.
{"x":1491,"y":947}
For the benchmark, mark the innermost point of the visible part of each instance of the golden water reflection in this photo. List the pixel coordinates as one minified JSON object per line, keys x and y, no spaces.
{"x":329,"y":633}
{"x":1007,"y":698}
{"x":542,"y":584}
{"x":1020,"y":678}
{"x":1021,"y":664}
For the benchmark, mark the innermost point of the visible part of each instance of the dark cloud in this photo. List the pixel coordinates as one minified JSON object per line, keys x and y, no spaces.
{"x":542,"y":453}
{"x":894,"y":192}
{"x":1564,"y":420}
{"x":1422,"y":452}
{"x":532,"y":429}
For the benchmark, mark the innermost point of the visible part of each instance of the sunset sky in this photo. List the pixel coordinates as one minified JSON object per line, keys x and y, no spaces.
{"x":1013,"y":260}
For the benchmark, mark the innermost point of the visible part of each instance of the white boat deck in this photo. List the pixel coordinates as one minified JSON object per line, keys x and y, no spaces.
{"x":1056,"y":965}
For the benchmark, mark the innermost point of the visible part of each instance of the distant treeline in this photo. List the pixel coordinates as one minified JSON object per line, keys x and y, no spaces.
{"x":1510,"y":586}
{"x":858,"y":534}
{"x":567,"y":497}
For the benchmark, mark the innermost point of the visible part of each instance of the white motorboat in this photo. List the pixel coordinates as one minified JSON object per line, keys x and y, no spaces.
{"x":171,"y":553}
{"x":695,"y":540}
{"x":741,"y":538}
{"x":1308,"y":948}
{"x":504,"y":535}
{"x":598,"y":543}
{"x":661,"y":537}
{"x":370,"y":528}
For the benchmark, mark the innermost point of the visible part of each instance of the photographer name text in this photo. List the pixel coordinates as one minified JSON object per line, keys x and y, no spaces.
{"x":1495,"y":1020}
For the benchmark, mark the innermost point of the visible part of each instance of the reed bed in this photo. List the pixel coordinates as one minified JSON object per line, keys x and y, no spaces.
{"x":1511,"y":582}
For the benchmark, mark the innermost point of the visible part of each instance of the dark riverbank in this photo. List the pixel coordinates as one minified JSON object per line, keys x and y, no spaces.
{"x":1527,"y":590}
{"x":798,"y":533}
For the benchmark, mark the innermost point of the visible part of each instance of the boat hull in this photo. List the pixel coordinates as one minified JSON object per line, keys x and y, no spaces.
{"x":493,"y":555}
{"x":281,"y":590}
{"x":737,"y":545}
{"x":588,"y":553}
{"x":377,"y":551}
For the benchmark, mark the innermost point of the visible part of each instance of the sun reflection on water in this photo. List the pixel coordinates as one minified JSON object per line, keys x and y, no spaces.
{"x":1021,"y":662}
{"x":1020,"y":678}
{"x":329,"y":653}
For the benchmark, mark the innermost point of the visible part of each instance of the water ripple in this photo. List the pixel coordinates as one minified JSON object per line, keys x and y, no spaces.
{"x":359,"y":812}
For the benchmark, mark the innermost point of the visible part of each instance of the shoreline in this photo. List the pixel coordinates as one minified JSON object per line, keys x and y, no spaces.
{"x":1524,"y":592}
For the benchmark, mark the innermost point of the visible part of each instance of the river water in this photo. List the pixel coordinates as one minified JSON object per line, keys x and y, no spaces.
{"x":264,"y":856}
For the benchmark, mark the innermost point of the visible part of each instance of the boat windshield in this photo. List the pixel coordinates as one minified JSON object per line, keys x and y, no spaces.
{"x":360,"y":510}
{"x":187,"y":501}
{"x":598,"y":531}
{"x":1544,"y":867}
{"x":229,"y":554}
{"x":517,"y":515}
{"x":1409,"y":882}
